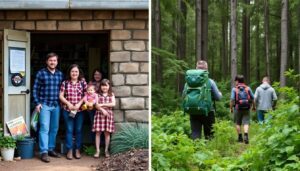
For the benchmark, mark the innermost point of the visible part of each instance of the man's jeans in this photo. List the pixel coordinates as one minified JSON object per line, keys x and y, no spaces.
{"x":73,"y":124}
{"x":49,"y":123}
{"x":261,"y":115}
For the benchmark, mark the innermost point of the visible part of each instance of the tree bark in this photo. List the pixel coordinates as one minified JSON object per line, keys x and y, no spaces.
{"x":198,"y":30}
{"x":257,"y":51}
{"x":181,"y":41}
{"x":233,"y":5}
{"x":204,"y":29}
{"x":267,"y":39}
{"x":224,"y":46}
{"x":246,"y":44}
{"x":284,"y":41}
{"x":157,"y":30}
{"x":299,"y":41}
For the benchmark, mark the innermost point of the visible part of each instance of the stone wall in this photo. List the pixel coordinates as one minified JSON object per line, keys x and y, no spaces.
{"x":128,"y":49}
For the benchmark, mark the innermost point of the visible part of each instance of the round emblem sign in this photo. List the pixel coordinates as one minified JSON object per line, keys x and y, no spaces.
{"x":16,"y":79}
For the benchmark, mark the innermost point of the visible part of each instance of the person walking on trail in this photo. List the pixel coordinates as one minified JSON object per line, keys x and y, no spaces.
{"x":265,"y":99}
{"x":198,"y":121}
{"x":240,"y":102}
{"x":46,"y":98}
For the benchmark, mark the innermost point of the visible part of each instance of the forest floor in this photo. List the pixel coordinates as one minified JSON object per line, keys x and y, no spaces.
{"x":131,"y":160}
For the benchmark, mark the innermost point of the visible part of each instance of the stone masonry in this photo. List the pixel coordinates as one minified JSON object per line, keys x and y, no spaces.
{"x":128,"y":49}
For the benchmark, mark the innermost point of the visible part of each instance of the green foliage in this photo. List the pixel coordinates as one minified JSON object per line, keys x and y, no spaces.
{"x":175,"y":122}
{"x":278,"y":146}
{"x":89,"y":150}
{"x":164,"y":99}
{"x":130,"y":137}
{"x":19,"y":137}
{"x":274,"y":145}
{"x":7,"y":142}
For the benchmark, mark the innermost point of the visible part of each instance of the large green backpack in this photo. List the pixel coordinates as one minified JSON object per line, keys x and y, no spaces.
{"x":197,"y":93}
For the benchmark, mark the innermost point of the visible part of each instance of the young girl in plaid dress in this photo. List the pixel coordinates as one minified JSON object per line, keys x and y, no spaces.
{"x":104,"y":118}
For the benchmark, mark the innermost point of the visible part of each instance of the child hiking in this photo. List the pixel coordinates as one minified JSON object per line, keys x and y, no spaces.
{"x":104,"y":118}
{"x":240,"y":102}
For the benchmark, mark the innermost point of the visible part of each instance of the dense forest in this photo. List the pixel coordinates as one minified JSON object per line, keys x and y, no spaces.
{"x":255,"y":38}
{"x":250,"y":37}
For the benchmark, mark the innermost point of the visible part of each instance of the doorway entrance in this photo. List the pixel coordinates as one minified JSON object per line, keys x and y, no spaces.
{"x":88,"y":50}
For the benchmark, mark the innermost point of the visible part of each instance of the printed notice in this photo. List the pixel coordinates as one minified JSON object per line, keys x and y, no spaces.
{"x":17,"y":127}
{"x":17,"y":60}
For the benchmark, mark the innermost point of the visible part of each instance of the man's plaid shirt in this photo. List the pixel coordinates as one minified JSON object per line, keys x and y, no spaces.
{"x":46,"y":87}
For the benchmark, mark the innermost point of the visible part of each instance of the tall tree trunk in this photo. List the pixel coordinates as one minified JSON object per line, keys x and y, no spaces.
{"x":246,"y":44}
{"x":233,"y":5}
{"x":198,"y":30}
{"x":299,"y":42}
{"x":157,"y":29}
{"x":224,"y":45}
{"x":267,"y":39}
{"x":257,"y":51}
{"x":204,"y":29}
{"x":181,"y":41}
{"x":278,"y":57}
{"x":284,"y":41}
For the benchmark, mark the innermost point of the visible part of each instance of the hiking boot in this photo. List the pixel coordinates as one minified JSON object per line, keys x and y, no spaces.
{"x":240,"y":139}
{"x":246,"y":139}
{"x":45,"y":158}
{"x":69,"y":155}
{"x":77,"y":154}
{"x":53,"y":154}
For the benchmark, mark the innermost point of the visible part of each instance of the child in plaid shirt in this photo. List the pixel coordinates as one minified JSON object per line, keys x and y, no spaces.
{"x":104,"y":118}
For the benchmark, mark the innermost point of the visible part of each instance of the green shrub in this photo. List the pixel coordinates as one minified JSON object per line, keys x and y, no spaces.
{"x":130,"y":137}
{"x":175,"y":122}
{"x":7,"y":142}
{"x":89,"y":150}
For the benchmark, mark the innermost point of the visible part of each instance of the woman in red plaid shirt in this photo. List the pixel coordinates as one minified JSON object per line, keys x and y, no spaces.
{"x":104,"y":117}
{"x":71,"y":95}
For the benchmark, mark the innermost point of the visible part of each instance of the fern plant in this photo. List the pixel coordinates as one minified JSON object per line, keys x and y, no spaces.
{"x":130,"y":137}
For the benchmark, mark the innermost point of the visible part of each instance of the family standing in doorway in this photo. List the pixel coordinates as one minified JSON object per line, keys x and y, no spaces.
{"x":75,"y":96}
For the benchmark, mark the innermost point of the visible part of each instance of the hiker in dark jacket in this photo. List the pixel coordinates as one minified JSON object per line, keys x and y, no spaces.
{"x":197,"y":121}
{"x":265,"y":99}
{"x":241,"y":113}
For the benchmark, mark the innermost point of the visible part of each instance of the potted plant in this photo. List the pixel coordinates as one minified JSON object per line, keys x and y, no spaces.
{"x":7,"y":145}
{"x":25,"y":146}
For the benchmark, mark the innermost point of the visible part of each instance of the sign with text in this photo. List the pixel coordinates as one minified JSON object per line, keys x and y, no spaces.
{"x":17,"y":127}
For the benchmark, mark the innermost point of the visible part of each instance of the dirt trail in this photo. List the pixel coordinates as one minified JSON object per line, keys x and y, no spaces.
{"x":131,"y":160}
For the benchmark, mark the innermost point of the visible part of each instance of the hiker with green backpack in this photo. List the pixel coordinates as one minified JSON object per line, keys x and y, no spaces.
{"x":198,"y":95}
{"x":241,"y":101}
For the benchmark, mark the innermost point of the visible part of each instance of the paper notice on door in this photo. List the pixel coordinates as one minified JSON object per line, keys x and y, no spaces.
{"x":17,"y":60}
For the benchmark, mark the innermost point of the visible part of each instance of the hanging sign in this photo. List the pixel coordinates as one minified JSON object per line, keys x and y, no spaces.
{"x":16,"y":79}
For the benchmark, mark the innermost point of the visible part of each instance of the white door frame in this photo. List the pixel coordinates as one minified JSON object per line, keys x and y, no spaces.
{"x":16,"y":99}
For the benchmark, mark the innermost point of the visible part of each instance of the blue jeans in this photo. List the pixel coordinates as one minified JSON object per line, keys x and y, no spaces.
{"x":49,"y":123}
{"x":71,"y":124}
{"x":261,"y":115}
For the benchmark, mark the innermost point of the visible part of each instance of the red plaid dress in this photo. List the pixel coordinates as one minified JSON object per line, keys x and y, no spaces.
{"x":73,"y":92}
{"x":101,"y":122}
